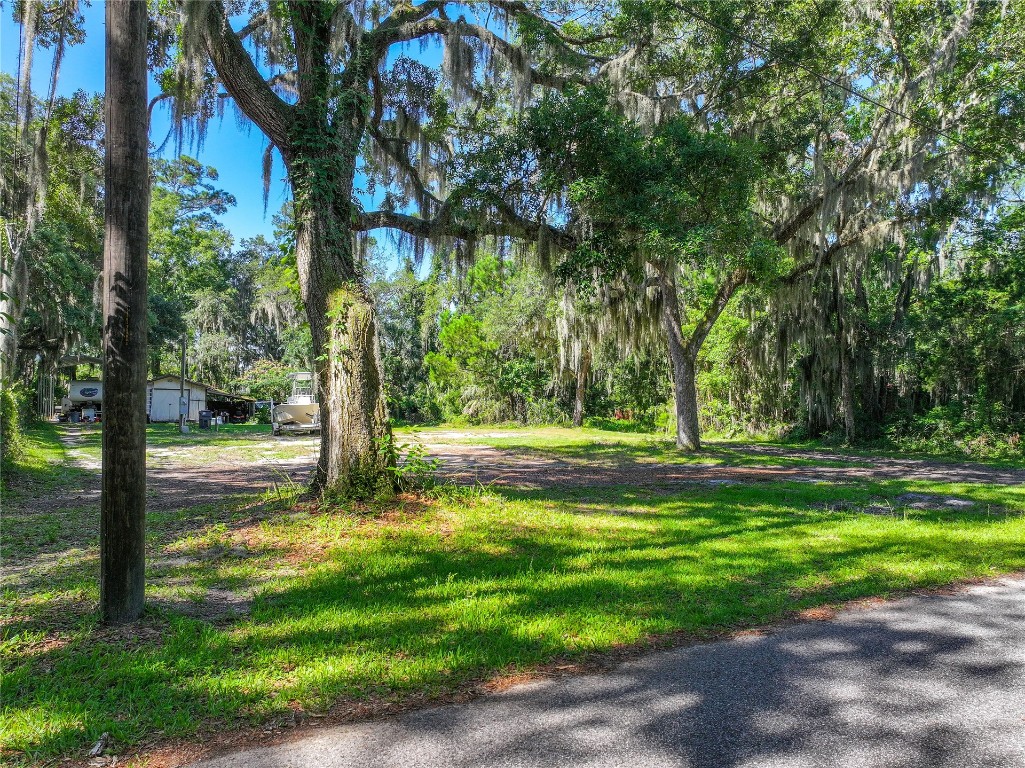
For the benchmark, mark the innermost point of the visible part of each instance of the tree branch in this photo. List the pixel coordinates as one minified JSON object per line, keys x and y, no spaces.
{"x":519,"y":8}
{"x":286,"y":80}
{"x":444,"y":225}
{"x":722,"y":297}
{"x":437,"y":26}
{"x":242,"y":79}
{"x":398,"y":26}
{"x":826,"y":257}
{"x":254,"y":23}
{"x":311,"y":27}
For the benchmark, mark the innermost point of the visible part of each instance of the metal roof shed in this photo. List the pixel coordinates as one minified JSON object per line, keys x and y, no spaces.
{"x":162,"y":398}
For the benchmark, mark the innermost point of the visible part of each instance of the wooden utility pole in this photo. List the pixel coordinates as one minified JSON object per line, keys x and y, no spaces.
{"x":126,"y":169}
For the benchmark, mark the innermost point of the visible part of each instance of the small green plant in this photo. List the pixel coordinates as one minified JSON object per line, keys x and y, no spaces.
{"x":411,"y":466}
{"x":466,"y":495}
{"x":284,"y":491}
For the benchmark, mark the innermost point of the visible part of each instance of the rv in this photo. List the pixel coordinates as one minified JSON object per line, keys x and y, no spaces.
{"x":83,"y":402}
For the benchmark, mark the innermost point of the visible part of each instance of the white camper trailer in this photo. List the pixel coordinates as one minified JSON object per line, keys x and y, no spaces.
{"x":83,"y":402}
{"x":301,"y":412}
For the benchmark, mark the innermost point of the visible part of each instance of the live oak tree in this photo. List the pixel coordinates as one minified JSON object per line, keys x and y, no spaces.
{"x":320,"y":80}
{"x":879,"y":123}
{"x":845,"y":171}
{"x":661,"y":222}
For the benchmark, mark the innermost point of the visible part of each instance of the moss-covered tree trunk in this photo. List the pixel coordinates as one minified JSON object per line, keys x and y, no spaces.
{"x":319,"y":137}
{"x":342,"y":318}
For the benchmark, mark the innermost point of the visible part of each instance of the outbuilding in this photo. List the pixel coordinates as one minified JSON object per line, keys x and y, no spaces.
{"x":162,"y":393}
{"x":237,"y":409}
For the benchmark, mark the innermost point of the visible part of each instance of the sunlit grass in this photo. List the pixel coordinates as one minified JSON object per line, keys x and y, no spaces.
{"x":165,"y":445}
{"x":425,"y":595}
{"x":43,"y":467}
{"x":590,"y":444}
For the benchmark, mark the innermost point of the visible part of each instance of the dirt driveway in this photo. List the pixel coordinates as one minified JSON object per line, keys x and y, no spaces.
{"x":188,"y":476}
{"x":535,"y":470}
{"x":177,"y":480}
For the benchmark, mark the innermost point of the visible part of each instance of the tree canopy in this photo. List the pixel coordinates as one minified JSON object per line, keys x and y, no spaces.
{"x":716,"y":216}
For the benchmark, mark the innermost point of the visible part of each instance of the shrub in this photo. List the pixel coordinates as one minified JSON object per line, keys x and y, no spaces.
{"x":973,"y":430}
{"x":11,"y":439}
{"x":543,"y":412}
{"x":617,"y":425}
{"x":413,"y":468}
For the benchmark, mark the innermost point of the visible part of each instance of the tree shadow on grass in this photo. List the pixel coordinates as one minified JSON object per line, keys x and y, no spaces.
{"x":403,"y":610}
{"x":930,"y":682}
{"x":719,"y":454}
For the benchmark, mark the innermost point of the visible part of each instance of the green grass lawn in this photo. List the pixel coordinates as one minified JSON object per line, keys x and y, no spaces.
{"x":887,"y":450}
{"x":425,"y":595}
{"x":44,"y":468}
{"x":615,"y":440}
{"x":35,"y":473}
{"x":247,"y":442}
{"x":590,"y":444}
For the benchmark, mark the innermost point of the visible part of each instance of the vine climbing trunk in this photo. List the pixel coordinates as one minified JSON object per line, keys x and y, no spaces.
{"x":583,"y":371}
{"x":319,"y":136}
{"x":343,"y":325}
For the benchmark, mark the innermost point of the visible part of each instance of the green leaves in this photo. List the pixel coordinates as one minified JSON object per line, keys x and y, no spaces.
{"x":674,"y":196}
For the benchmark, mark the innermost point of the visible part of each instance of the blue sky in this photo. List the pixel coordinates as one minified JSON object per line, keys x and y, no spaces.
{"x":233,"y":152}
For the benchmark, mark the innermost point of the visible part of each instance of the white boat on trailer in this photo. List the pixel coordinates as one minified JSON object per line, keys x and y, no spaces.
{"x":301,"y":412}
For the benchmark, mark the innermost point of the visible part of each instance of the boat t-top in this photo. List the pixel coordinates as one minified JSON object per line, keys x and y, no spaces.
{"x":301,"y":412}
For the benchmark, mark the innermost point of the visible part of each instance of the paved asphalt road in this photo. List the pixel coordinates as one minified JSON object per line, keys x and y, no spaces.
{"x":925,"y":681}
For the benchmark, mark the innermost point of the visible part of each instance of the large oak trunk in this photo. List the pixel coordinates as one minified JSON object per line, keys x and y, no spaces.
{"x":123,"y":495}
{"x":354,"y":417}
{"x":685,"y":394}
{"x":683,"y":354}
{"x":319,"y":137}
{"x":343,"y":324}
{"x":683,"y":351}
